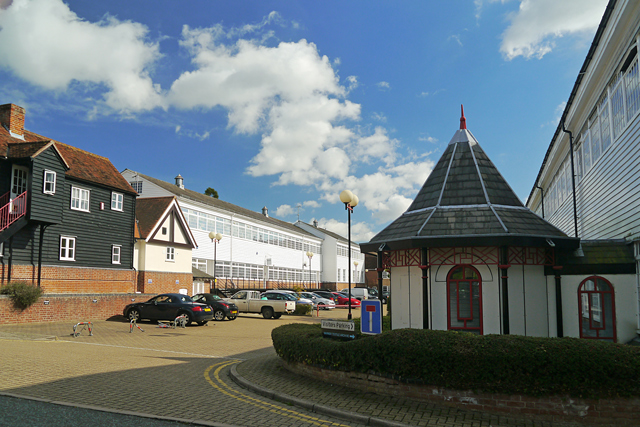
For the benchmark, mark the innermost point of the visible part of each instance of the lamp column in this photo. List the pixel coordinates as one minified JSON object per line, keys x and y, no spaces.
{"x":215,"y":238}
{"x":350,"y":201}
{"x":310,"y":255}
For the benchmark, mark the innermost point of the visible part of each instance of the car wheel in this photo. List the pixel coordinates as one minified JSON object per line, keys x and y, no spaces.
{"x":218,"y":315}
{"x":232,"y":317}
{"x":267,"y":312}
{"x":277,"y":315}
{"x":188,"y":316}
{"x":204,"y":322}
{"x":134,"y":314}
{"x":321,"y":306}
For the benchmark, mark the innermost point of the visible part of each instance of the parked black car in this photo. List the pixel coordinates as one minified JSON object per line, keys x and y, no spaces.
{"x":221,"y":308}
{"x":327,"y":294}
{"x":168,"y":307}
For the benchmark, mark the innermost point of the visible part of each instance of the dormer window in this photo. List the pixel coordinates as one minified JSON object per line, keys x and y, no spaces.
{"x":49,"y":185}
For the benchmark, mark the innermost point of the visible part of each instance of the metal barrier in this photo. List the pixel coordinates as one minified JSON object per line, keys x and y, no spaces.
{"x":84,"y":325}
{"x":331,"y":307}
{"x":134,"y":323}
{"x":178,"y":321}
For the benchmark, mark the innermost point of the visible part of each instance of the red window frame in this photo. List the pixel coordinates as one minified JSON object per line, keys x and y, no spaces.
{"x":603,"y":309}
{"x":469,"y":283}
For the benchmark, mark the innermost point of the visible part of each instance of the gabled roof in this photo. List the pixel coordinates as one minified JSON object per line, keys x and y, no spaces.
{"x":222,"y":205}
{"x":465,"y":201}
{"x":327,"y":232}
{"x":82,"y":165}
{"x":151,"y":213}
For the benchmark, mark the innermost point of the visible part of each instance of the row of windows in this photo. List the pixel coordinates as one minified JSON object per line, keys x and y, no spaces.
{"x":344,"y":251}
{"x":356,"y":276}
{"x":464,"y":304}
{"x":79,"y":196}
{"x":618,"y":105}
{"x":206,"y":222}
{"x":68,"y":250}
{"x":237,"y":270}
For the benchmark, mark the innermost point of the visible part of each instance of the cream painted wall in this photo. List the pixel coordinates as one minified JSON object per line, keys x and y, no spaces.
{"x":155,"y":259}
{"x":528,"y":308}
{"x":626,"y":295}
{"x":406,"y":302}
{"x":178,"y":233}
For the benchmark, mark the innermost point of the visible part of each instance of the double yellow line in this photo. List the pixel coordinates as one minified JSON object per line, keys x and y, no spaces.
{"x":222,"y":387}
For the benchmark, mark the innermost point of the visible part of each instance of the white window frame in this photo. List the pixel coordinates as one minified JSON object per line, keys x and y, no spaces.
{"x":80,"y":199}
{"x":117,"y":201}
{"x":116,"y":254}
{"x":45,"y":181}
{"x":67,"y":248}
{"x":171,"y":254}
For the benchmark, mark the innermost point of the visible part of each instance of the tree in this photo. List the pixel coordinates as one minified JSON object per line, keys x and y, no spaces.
{"x":211,"y":192}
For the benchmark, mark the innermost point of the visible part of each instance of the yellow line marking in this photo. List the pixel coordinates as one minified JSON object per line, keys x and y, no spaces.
{"x":257,"y":402}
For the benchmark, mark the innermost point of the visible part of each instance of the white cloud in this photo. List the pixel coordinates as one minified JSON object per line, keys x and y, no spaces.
{"x":430,"y":139}
{"x":287,"y":93}
{"x":538,"y":23}
{"x":379,"y":117}
{"x":311,"y":204}
{"x":456,"y":38}
{"x":360,"y":231}
{"x":283,"y":211}
{"x":46,"y":44}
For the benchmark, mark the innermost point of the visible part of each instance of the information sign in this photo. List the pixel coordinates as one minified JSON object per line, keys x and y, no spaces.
{"x":371,"y":317}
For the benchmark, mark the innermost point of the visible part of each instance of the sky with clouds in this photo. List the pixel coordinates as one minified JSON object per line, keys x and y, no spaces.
{"x":285,"y":104}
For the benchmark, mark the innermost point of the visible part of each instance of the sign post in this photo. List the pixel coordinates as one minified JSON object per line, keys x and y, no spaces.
{"x":371,"y":317}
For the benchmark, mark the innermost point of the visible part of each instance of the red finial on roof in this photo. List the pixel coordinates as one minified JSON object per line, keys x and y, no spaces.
{"x":463,"y":121}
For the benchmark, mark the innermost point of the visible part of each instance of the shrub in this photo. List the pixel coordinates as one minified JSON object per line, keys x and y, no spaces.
{"x":23,"y":294}
{"x":458,"y":360}
{"x":302,"y":309}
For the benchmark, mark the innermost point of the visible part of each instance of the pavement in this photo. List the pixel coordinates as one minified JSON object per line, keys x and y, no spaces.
{"x":222,"y":374}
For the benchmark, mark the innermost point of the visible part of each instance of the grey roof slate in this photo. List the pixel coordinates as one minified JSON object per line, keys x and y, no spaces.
{"x":464,"y":197}
{"x":225,"y":206}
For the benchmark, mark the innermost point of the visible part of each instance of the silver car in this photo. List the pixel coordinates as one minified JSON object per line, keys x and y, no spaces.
{"x":318,"y":301}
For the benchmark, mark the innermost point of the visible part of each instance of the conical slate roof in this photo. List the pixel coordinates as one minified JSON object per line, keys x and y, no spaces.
{"x":466,"y":202}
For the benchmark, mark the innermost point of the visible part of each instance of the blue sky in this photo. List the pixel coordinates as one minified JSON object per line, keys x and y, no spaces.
{"x":284,"y":104}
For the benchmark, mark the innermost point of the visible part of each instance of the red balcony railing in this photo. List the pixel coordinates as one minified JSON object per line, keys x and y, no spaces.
{"x":12,"y":209}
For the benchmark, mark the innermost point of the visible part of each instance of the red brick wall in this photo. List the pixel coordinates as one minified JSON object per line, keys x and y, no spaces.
{"x":162,"y":282}
{"x":590,"y":412}
{"x":61,"y":280}
{"x":75,"y":308}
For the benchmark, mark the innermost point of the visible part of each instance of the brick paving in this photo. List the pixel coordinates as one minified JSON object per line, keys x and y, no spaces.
{"x":183,"y":374}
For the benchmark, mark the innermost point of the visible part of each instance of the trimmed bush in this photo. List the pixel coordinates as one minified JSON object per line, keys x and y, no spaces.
{"x":302,"y":309}
{"x":23,"y":294}
{"x":506,"y":364}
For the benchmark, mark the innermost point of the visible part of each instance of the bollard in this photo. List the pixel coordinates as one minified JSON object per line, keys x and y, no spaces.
{"x":84,"y":325}
{"x":134,"y":323}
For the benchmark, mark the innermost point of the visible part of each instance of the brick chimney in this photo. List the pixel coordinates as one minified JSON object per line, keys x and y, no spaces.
{"x":12,"y":118}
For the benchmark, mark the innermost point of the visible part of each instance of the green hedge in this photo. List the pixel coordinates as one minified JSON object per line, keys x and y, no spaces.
{"x":506,"y":364}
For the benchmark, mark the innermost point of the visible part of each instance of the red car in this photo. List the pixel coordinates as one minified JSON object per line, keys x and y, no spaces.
{"x":343,"y":299}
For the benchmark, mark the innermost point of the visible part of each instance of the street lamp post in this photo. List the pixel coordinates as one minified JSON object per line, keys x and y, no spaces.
{"x":310,"y":255}
{"x":215,"y":238}
{"x":355,"y":272}
{"x":350,"y":201}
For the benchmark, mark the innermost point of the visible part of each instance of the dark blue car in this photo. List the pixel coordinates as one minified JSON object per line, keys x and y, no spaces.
{"x":221,"y":309}
{"x":168,"y":307}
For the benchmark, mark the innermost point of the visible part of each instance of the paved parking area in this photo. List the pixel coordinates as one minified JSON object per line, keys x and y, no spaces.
{"x":182,"y":375}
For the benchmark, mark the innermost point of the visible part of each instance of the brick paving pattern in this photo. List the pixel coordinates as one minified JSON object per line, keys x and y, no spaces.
{"x":184,"y":374}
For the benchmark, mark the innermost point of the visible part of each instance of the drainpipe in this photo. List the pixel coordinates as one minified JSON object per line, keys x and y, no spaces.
{"x":541,"y":198}
{"x":573,"y":180}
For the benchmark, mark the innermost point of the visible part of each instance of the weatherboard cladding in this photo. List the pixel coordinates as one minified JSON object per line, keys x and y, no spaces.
{"x":465,"y":195}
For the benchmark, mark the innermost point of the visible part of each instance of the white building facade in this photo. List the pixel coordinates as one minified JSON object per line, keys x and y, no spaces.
{"x":335,"y":262}
{"x":589,"y":183}
{"x":256,"y":251}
